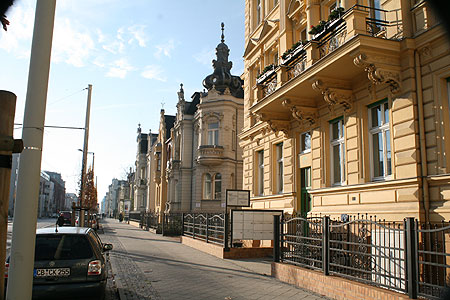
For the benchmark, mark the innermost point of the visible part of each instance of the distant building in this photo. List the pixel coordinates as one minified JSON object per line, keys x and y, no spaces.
{"x":69,"y":199}
{"x":46,"y":204}
{"x":59,"y":195}
{"x":13,"y":183}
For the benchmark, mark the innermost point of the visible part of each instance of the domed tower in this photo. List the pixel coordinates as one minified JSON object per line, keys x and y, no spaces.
{"x":221,"y":78}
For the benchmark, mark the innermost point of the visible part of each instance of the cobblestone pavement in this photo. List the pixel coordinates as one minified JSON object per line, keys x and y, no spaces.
{"x":149,"y":266}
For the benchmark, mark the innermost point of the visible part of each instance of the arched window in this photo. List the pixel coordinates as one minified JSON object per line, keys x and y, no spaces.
{"x":218,"y":186}
{"x":207,"y":188}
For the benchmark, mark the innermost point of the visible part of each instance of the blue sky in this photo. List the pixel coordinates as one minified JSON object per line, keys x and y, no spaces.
{"x":134,"y":53}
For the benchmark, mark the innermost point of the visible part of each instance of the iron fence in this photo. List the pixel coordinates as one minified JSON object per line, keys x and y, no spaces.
{"x":406,"y":257}
{"x":135,"y":216}
{"x":209,"y":227}
{"x":433,"y":259}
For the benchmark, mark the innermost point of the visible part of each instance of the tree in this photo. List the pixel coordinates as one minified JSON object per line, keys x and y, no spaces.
{"x":90,"y":191}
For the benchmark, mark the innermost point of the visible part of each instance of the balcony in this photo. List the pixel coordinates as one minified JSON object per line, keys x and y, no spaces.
{"x":210,"y":155}
{"x":361,"y":42}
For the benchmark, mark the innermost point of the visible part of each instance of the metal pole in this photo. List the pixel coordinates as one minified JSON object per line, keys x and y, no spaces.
{"x":20,"y":278}
{"x":276,"y":238}
{"x":7,"y":111}
{"x":85,"y":153}
{"x":411,"y":257}
{"x":326,"y":245}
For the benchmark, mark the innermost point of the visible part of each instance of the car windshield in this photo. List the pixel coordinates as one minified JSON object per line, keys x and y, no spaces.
{"x":62,"y":247}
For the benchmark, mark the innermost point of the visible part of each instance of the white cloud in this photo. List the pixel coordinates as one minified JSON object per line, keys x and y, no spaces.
{"x":120,"y":68}
{"x":70,"y":44}
{"x":138,"y":33}
{"x":114,"y":47}
{"x":205,"y":56}
{"x":165,"y":49}
{"x":100,"y":36}
{"x":17,"y":39}
{"x":154,"y":72}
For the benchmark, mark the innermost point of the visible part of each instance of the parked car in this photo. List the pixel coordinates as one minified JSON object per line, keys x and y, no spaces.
{"x":69,"y":264}
{"x":67,"y":217}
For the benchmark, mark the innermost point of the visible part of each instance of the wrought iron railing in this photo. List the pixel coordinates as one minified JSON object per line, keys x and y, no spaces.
{"x":296,"y":67}
{"x":332,"y":40}
{"x":270,"y":86}
{"x":209,"y":227}
{"x":433,"y":259}
{"x":406,"y":257}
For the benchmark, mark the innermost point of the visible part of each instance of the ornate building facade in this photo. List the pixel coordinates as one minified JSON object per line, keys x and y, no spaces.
{"x":347,"y":108}
{"x":196,"y":157}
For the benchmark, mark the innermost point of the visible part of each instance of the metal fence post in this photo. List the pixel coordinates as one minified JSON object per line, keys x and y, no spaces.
{"x":163,"y":221}
{"x":207,"y":228}
{"x":276,"y":238}
{"x":182,"y":224}
{"x":225,"y":231}
{"x":193,"y":225}
{"x":411,"y":258}
{"x":326,"y":245}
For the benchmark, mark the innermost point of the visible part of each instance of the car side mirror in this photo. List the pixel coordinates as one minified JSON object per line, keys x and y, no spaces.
{"x":107,"y":247}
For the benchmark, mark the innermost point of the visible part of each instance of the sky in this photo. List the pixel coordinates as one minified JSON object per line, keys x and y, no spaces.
{"x":134,"y":53}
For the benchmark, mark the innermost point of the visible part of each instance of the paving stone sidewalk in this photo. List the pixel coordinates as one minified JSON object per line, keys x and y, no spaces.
{"x":150,"y":266}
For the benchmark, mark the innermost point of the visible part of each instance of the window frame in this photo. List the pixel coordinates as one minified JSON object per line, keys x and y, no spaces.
{"x":204,"y":185}
{"x":213,"y":135}
{"x":383,"y":128}
{"x":340,"y":141}
{"x":305,"y":150}
{"x":279,"y":168}
{"x":260,"y":172}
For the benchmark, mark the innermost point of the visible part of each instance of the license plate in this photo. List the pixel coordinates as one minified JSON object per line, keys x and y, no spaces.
{"x":55,"y":272}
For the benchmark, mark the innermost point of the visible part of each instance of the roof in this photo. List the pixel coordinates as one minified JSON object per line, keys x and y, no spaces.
{"x":170,"y":121}
{"x":191,"y":107}
{"x":63,"y":229}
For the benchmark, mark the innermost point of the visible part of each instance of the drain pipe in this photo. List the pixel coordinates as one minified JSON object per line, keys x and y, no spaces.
{"x":422,"y":139}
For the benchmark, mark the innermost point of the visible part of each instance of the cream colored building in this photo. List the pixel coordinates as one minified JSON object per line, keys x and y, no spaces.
{"x":204,"y":158}
{"x":355,"y":117}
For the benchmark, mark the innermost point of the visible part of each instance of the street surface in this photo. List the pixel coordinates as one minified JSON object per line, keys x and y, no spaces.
{"x":150,"y":266}
{"x":41,"y":223}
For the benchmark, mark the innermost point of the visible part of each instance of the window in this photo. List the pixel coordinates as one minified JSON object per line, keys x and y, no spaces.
{"x":305,"y":142}
{"x":337,"y":152}
{"x":260,"y":174}
{"x":334,"y":5}
{"x":380,"y":140}
{"x":218,"y":186}
{"x":158,"y":165}
{"x":207,"y":188}
{"x":258,"y":12}
{"x":213,"y":133}
{"x":279,"y":167}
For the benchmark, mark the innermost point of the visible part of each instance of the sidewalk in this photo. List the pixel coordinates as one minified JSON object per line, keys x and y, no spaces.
{"x":150,"y":266}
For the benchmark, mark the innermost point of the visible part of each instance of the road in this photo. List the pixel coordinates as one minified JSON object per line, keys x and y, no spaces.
{"x":41,"y":223}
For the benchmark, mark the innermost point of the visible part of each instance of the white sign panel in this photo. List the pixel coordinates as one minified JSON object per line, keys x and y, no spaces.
{"x":253,"y":224}
{"x":238,"y":198}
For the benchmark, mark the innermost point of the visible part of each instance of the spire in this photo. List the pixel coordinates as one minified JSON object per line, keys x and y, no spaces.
{"x":181,"y":93}
{"x":139,"y":128}
{"x":221,"y":78}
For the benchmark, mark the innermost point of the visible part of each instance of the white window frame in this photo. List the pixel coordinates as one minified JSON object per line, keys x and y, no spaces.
{"x":340,"y":141}
{"x":383,"y":129}
{"x":279,"y":168}
{"x":302,"y":144}
{"x":217,"y":194}
{"x":213,"y":134}
{"x":207,"y":196}
{"x":260,"y":174}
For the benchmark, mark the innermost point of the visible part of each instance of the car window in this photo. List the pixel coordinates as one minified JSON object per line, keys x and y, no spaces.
{"x":96,"y":239}
{"x":61,"y":247}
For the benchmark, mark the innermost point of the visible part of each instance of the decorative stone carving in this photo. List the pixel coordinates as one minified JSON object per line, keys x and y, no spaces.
{"x":333,"y":96}
{"x":299,"y":114}
{"x":378,"y":75}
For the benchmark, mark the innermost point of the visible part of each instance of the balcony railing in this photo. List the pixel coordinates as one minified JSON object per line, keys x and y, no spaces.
{"x":210,"y":154}
{"x":296,"y":67}
{"x":270,"y":86}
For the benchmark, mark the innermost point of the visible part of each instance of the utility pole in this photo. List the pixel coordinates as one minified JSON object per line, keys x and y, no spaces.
{"x":20,"y":277}
{"x":7,"y":146}
{"x":85,"y":153}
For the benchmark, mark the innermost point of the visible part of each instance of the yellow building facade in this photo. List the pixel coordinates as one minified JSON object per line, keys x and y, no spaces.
{"x":347,"y":108}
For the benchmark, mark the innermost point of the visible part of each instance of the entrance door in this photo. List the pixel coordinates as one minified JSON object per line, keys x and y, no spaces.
{"x":305,"y":186}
